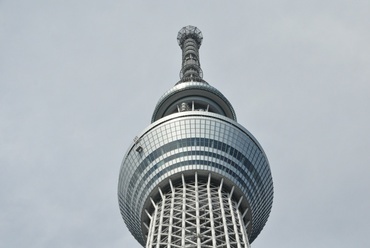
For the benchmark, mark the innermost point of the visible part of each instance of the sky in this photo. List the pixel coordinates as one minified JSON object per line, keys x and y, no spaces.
{"x":80,"y":79}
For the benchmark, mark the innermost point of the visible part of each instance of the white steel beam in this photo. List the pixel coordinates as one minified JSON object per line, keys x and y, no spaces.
{"x":196,"y":214}
{"x":211,"y":212}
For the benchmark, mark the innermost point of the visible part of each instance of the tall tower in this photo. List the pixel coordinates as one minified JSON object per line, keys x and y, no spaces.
{"x":194,"y":177}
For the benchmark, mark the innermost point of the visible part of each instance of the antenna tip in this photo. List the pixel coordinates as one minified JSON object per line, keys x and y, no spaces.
{"x":189,"y":32}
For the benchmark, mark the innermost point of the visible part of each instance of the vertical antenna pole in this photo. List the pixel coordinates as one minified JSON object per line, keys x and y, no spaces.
{"x":189,"y":39}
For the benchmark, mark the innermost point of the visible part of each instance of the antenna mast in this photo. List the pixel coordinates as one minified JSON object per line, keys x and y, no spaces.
{"x":189,"y":39}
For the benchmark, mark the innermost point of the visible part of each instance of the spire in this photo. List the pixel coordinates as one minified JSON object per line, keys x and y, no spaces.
{"x":189,"y":39}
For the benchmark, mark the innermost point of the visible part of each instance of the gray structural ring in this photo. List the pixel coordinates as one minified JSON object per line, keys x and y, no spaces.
{"x":192,"y":89}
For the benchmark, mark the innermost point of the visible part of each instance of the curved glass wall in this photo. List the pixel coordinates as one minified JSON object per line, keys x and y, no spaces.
{"x":188,"y":142}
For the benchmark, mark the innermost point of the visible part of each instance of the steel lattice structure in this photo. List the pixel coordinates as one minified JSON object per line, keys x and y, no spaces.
{"x":197,"y":214}
{"x":195,"y":177}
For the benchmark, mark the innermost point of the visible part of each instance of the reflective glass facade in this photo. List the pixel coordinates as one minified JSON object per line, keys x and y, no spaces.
{"x":199,"y":142}
{"x":190,"y":91}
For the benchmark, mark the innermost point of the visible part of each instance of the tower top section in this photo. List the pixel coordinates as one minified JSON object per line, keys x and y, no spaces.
{"x":189,"y":39}
{"x":189,"y":32}
{"x":192,"y":93}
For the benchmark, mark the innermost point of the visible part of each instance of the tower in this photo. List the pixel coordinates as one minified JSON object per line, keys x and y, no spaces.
{"x":194,"y":177}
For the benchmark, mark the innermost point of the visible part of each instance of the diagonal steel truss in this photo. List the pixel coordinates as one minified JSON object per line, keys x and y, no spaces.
{"x":196,"y":214}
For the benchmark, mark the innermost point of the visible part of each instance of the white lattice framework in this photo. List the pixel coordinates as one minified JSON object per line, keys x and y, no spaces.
{"x":197,"y":214}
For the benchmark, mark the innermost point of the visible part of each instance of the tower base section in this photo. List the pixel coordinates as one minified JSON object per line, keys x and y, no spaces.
{"x":196,"y":213}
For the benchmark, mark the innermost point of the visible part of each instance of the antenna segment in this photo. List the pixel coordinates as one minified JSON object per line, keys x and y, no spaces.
{"x":189,"y":39}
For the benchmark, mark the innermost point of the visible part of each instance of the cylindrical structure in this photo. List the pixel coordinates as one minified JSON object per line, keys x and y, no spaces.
{"x":197,"y":213}
{"x":195,"y":177}
{"x":189,"y":39}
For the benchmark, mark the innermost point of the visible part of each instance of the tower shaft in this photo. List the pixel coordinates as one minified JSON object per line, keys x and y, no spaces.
{"x":198,"y":214}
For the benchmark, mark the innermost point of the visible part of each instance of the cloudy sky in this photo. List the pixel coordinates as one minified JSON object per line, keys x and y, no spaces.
{"x":80,"y":79}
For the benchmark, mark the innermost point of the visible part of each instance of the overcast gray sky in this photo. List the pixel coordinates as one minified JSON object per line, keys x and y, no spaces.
{"x":80,"y":79}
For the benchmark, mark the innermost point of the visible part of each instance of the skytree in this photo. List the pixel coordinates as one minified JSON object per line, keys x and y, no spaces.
{"x":195,"y":177}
